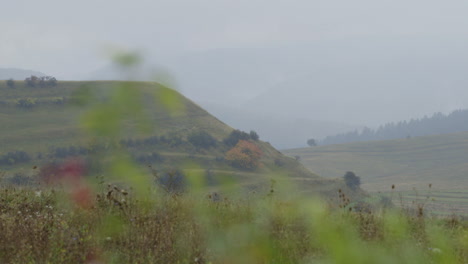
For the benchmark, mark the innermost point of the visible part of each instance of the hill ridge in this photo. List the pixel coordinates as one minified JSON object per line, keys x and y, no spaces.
{"x":48,"y":129}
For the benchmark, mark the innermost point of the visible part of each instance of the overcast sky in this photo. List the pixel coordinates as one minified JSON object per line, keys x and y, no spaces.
{"x":68,"y":38}
{"x":293,"y":39}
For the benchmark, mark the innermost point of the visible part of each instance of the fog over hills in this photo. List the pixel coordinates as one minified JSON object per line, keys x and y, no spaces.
{"x":280,"y":130}
{"x":360,"y":63}
{"x":351,"y":84}
{"x":362,"y":81}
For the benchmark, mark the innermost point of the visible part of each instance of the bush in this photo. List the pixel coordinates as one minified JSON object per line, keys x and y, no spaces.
{"x":172,"y":181}
{"x":174,"y":141}
{"x":26,"y":103}
{"x":44,"y":81}
{"x":202,"y":139}
{"x":351,"y":180}
{"x":235,"y":136}
{"x":149,"y":158}
{"x":10,"y":83}
{"x":151,"y":141}
{"x":31,"y":81}
{"x":254,"y":136}
{"x":279,"y":162}
{"x":312,"y":142}
{"x":245,"y":155}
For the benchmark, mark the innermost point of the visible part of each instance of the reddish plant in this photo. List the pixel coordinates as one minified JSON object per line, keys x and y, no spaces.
{"x":244,"y":155}
{"x":70,"y":175}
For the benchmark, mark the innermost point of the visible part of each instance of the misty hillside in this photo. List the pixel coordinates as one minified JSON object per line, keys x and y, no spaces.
{"x":43,"y":125}
{"x":351,"y":81}
{"x":17,"y":74}
{"x":439,"y":160}
{"x":439,"y":123}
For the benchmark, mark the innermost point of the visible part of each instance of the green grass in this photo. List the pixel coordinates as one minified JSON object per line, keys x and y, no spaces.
{"x":120,"y":215}
{"x":436,"y":202}
{"x":107,"y":224}
{"x":406,"y":163}
{"x":41,"y":126}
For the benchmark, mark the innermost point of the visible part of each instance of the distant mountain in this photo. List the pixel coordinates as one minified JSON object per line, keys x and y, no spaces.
{"x":439,"y":123}
{"x":346,"y":81}
{"x":353,"y":81}
{"x":17,"y":74}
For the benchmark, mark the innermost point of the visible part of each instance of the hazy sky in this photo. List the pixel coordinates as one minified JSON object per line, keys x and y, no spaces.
{"x":67,"y":38}
{"x":240,"y":49}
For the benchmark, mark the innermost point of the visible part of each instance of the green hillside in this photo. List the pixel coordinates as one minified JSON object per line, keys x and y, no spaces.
{"x":408,"y":164}
{"x":415,"y":162}
{"x":46,"y":123}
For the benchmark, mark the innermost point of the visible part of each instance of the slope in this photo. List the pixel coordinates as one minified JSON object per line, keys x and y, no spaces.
{"x":49,"y":128}
{"x":407,"y":163}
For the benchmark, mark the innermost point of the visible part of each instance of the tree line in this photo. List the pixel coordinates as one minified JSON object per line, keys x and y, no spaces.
{"x":197,"y":140}
{"x":438,"y":123}
{"x":35,"y":81}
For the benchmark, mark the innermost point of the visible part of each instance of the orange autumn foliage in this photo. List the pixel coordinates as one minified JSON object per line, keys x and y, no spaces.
{"x":245,"y":155}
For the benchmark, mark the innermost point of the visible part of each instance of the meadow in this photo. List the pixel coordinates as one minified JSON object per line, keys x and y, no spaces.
{"x":106,"y":223}
{"x":410,"y":165}
{"x":70,"y":212}
{"x":436,"y":202}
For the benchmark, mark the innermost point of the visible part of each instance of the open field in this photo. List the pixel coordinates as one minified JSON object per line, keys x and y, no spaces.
{"x":408,"y":164}
{"x":434,"y":202}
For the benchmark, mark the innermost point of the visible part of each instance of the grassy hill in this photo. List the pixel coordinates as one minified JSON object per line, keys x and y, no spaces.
{"x":409,"y":164}
{"x":51,"y":125}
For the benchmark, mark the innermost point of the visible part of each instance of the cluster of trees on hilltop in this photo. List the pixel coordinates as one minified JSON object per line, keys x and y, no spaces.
{"x":44,"y":81}
{"x":35,"y":81}
{"x":439,"y":123}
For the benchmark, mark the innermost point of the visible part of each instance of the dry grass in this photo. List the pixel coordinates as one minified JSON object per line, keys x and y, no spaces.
{"x":45,"y":226}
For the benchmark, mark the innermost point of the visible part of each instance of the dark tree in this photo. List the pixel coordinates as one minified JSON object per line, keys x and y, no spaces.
{"x":31,"y":81}
{"x":235,"y":136}
{"x":10,"y":83}
{"x":173,"y":181}
{"x":311,"y":142}
{"x":47,"y":81}
{"x":254,"y":136}
{"x":351,"y":180}
{"x":202,"y":139}
{"x":52,"y":81}
{"x":43,"y":81}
